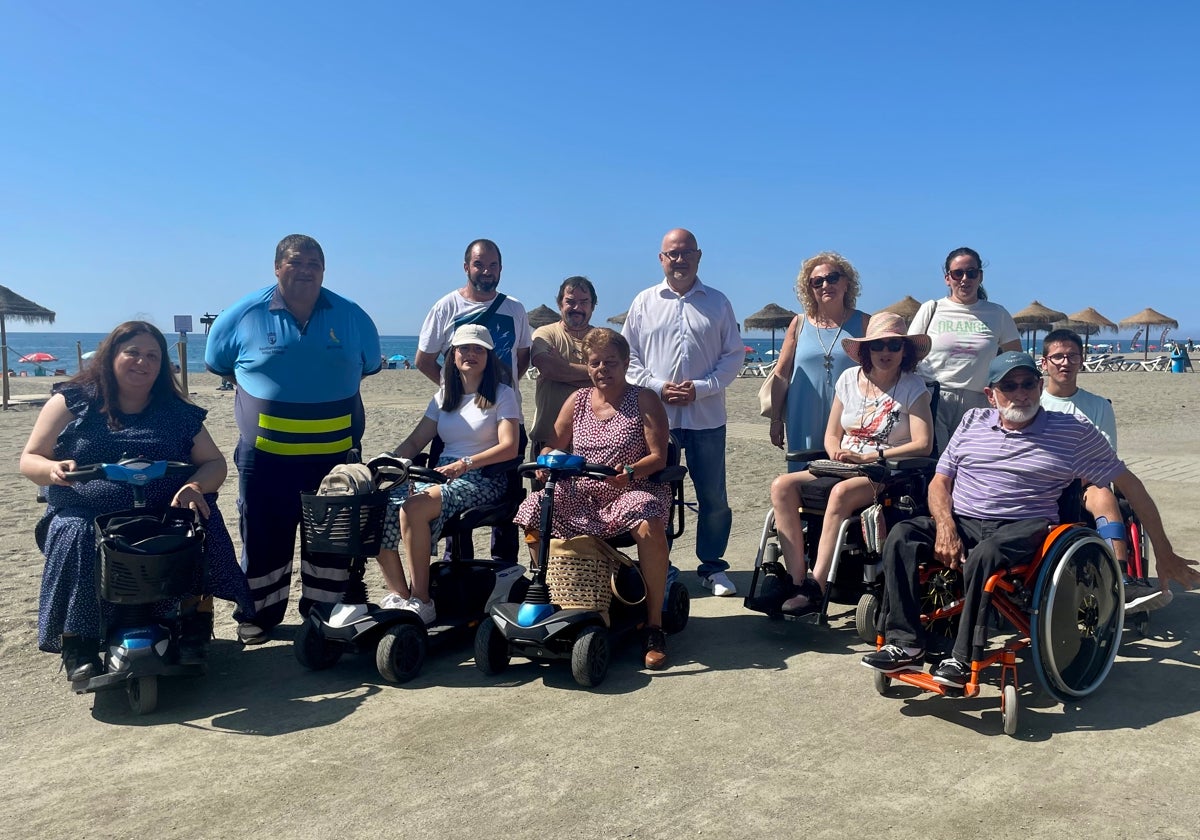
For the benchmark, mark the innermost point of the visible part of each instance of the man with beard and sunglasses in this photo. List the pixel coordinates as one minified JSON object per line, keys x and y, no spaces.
{"x":991,"y":503}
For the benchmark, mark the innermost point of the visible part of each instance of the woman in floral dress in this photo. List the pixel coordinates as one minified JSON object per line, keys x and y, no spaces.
{"x":625,"y":427}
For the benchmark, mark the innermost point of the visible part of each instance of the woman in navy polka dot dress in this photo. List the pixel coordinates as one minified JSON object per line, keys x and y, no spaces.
{"x":125,"y":403}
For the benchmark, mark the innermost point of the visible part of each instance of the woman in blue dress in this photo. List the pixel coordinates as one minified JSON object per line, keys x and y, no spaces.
{"x":125,"y":403}
{"x":812,"y":358}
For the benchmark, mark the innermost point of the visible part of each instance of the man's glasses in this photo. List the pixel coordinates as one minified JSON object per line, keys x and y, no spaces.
{"x":684,"y":254}
{"x":892,"y":345}
{"x":968,"y":273}
{"x":1010,"y":387}
{"x":832,"y":279}
{"x":1063,"y":358}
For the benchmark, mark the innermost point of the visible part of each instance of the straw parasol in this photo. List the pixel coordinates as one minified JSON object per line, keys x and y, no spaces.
{"x":542,"y":316}
{"x":1089,"y":322}
{"x":906,"y":308}
{"x":12,"y":305}
{"x":1036,"y":318}
{"x":1148,"y":318}
{"x":771,"y":317}
{"x":619,"y":320}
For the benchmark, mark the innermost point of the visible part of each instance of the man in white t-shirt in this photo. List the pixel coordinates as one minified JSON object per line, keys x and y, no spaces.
{"x":1062,"y":359}
{"x":478,"y":302}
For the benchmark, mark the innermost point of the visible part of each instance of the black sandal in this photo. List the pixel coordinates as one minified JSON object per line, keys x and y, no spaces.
{"x":811,"y":590}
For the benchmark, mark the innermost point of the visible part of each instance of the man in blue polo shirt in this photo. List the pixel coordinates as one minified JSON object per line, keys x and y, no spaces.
{"x":298,"y":353}
{"x":991,"y":504}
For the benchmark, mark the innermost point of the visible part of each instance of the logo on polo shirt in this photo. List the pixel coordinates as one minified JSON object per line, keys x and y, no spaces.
{"x":270,"y":338}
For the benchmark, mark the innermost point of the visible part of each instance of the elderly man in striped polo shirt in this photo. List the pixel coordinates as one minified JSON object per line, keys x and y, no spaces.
{"x":991,"y":503}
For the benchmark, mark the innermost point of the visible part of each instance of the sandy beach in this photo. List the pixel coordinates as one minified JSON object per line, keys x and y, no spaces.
{"x":758,"y":728}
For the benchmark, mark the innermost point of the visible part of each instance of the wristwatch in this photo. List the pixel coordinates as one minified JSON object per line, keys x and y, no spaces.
{"x":629,"y":472}
{"x":468,"y":461}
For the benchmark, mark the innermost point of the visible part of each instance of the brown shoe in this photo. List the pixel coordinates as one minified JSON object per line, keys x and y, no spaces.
{"x":656,"y":648}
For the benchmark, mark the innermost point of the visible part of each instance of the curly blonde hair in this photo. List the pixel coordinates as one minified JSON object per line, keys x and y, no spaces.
{"x":804,"y":292}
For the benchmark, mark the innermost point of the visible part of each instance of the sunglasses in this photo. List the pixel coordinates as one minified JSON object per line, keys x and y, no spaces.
{"x":1010,"y":387}
{"x":968,"y":273}
{"x":892,"y":345}
{"x":832,"y":279}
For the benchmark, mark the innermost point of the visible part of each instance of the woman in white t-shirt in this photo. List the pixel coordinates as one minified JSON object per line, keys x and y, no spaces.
{"x":968,"y":331}
{"x":477,"y":419}
{"x":880,"y":410}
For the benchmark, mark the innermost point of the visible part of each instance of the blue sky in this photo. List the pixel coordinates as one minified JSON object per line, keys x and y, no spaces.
{"x":156,"y":152}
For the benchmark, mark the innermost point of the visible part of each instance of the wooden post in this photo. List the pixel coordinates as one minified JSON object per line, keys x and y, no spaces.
{"x":183,"y":361}
{"x":79,"y":355}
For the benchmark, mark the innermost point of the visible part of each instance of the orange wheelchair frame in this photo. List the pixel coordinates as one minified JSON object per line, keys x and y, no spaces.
{"x":1072,"y":634}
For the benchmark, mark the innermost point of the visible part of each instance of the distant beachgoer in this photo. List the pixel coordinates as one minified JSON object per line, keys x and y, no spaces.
{"x":968,"y":331}
{"x":298,"y":353}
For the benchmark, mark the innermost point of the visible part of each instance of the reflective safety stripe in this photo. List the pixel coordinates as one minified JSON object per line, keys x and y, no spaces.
{"x":330,"y":447}
{"x":303,"y":427}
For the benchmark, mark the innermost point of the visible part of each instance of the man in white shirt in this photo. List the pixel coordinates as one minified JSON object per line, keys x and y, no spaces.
{"x":478,"y":302}
{"x":685,"y":346}
{"x":1062,"y":359}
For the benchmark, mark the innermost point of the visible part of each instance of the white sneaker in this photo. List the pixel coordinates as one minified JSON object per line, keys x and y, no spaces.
{"x":1143,"y":596}
{"x":425,"y":610}
{"x":720,"y":584}
{"x":392,"y":601}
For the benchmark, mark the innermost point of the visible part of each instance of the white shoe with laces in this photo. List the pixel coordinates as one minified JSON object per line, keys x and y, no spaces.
{"x":720,"y":584}
{"x":425,"y":610}
{"x":392,"y":601}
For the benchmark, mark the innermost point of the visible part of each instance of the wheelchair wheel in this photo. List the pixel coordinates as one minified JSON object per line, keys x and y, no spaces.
{"x":865,"y":615}
{"x":312,"y":649}
{"x":401,"y":653}
{"x":679,"y":608}
{"x":883,"y":683}
{"x":1078,"y":614}
{"x":1009,"y":709}
{"x":589,"y":657}
{"x":491,"y":649}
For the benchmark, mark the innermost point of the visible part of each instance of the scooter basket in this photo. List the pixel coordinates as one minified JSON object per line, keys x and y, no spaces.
{"x":579,"y":573}
{"x":346,"y":525}
{"x":143,"y":558}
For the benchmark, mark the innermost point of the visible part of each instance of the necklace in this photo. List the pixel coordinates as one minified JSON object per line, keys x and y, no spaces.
{"x":828,"y":351}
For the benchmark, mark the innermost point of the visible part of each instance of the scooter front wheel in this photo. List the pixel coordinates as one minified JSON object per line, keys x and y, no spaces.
{"x":143,"y":694}
{"x":491,"y":649}
{"x":401,"y":653}
{"x":589,"y":657}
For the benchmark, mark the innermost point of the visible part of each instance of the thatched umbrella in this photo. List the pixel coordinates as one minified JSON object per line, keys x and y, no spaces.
{"x":619,"y":320}
{"x":542,"y":316}
{"x":12,"y":305}
{"x":771,"y":317}
{"x":1089,"y":322}
{"x":1148,"y":318}
{"x":1036,"y":318}
{"x":906,"y":308}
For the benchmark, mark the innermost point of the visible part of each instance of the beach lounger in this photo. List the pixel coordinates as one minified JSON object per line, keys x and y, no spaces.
{"x":1096,"y":362}
{"x":1158,"y":363}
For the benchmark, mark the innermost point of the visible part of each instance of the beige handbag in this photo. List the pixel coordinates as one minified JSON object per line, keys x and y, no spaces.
{"x":772,"y":394}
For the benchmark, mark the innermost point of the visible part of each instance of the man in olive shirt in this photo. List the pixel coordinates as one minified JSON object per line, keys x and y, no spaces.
{"x":557,"y":353}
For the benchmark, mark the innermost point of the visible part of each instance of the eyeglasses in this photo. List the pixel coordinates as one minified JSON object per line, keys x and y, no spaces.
{"x":1063,"y":358}
{"x":684,"y":254}
{"x":833,"y":278}
{"x":1010,"y":387}
{"x":968,"y":273}
{"x":893,"y":345}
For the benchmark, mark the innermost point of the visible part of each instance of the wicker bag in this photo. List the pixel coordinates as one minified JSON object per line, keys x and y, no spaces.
{"x":579,"y":573}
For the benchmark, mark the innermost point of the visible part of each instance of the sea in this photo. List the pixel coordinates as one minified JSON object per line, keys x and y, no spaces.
{"x":66,"y":347}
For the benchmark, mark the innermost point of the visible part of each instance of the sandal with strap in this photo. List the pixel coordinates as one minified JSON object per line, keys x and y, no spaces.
{"x":810,"y":590}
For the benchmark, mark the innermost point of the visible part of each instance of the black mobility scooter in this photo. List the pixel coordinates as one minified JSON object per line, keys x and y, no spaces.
{"x":463,"y":588}
{"x":566,"y":613}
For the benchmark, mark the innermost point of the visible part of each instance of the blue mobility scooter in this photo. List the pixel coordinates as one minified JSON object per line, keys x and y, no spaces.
{"x":539,"y":628}
{"x":143,"y":559}
{"x":462,"y":588}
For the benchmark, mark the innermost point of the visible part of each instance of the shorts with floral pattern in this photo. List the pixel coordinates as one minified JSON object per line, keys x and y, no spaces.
{"x":468,"y":491}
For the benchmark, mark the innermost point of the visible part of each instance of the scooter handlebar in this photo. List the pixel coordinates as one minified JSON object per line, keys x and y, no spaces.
{"x":599,"y":472}
{"x":136,"y":471}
